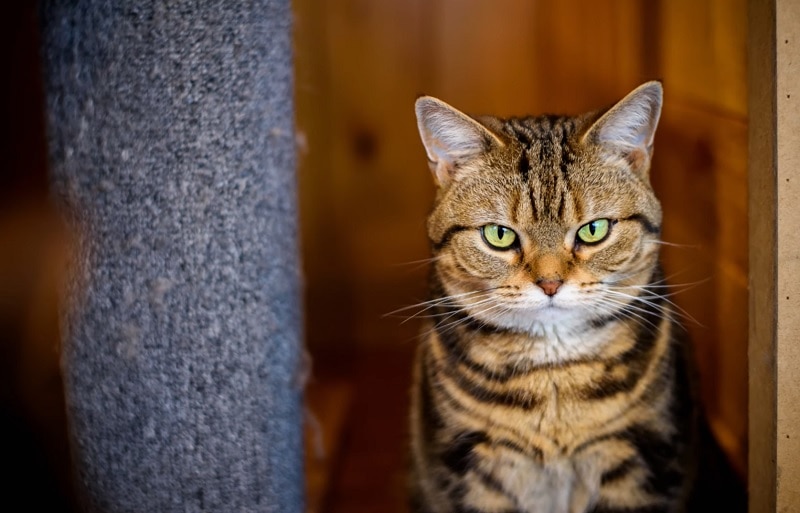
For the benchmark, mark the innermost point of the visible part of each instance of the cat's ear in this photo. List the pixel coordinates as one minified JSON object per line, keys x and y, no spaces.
{"x":451,"y":138}
{"x":627,"y":129}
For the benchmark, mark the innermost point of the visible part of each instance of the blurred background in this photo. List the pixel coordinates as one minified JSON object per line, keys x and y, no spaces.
{"x":365,"y":187}
{"x":365,"y":190}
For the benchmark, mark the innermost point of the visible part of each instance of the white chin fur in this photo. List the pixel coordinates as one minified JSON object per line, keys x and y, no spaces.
{"x":557,"y":325}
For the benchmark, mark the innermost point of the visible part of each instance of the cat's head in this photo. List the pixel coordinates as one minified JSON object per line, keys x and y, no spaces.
{"x":546,"y":222}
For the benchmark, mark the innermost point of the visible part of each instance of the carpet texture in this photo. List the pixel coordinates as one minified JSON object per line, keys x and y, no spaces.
{"x":171,"y":142}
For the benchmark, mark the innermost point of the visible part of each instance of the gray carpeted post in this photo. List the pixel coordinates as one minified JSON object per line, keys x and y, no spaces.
{"x":171,"y":145}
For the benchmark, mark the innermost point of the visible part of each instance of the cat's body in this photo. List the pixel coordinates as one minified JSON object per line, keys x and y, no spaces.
{"x":552,"y":377}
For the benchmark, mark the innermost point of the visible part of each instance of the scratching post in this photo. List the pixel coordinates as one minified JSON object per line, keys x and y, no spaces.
{"x":172,"y":150}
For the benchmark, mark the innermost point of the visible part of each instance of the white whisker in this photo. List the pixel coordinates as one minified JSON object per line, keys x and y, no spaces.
{"x":647,"y":299}
{"x":632,"y":311}
{"x":443,"y":328}
{"x":446,"y":315}
{"x":673,"y":244}
{"x":416,"y":265}
{"x":441,"y":300}
{"x":420,"y":261}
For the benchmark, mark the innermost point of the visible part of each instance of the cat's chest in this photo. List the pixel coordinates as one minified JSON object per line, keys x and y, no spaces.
{"x":552,"y":458}
{"x":549,"y":437}
{"x":554,"y":484}
{"x":567,"y":394}
{"x":557,"y":418}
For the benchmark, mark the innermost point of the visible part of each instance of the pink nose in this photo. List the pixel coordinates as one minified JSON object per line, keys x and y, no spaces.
{"x":550,"y":287}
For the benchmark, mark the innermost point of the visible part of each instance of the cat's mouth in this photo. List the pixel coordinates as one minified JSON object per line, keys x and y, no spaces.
{"x":552,"y":305}
{"x":535,"y":301}
{"x":543,"y":309}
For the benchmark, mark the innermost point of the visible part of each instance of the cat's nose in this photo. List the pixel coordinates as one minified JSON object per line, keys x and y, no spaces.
{"x":550,"y":287}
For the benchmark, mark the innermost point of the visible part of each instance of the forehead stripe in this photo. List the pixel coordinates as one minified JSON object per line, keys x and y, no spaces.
{"x":524,"y":165}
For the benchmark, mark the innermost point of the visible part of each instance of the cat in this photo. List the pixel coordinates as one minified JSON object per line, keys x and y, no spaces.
{"x":553,"y":376}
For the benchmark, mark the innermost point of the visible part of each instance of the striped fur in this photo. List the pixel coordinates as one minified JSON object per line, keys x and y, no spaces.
{"x":524,"y":401}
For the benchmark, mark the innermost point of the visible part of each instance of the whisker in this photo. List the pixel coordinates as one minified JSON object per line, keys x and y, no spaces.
{"x":452,"y":325}
{"x":603,"y":309}
{"x":441,"y":300}
{"x":416,"y":265}
{"x":647,"y":299}
{"x":660,"y":285}
{"x":631,"y":312}
{"x":420,"y":261}
{"x":503,"y":309}
{"x":673,"y":244}
{"x":679,"y":288}
{"x":631,"y":274}
{"x":447,"y":314}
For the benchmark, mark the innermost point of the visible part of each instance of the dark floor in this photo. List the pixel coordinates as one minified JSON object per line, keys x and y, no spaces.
{"x":365,"y":467}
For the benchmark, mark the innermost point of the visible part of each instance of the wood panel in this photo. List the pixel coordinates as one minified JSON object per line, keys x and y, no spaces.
{"x":762,"y":309}
{"x":592,"y":53}
{"x":479,"y":72}
{"x":365,"y":188}
{"x":567,"y":56}
{"x":699,"y":173}
{"x":703,"y":48}
{"x":787,"y":255}
{"x":775,"y":256}
{"x":701,"y":176}
{"x":364,"y":183}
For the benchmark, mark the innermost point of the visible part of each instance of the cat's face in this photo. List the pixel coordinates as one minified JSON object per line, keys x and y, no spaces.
{"x":544,"y":224}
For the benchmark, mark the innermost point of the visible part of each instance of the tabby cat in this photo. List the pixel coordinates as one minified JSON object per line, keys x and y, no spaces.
{"x":552,"y":376}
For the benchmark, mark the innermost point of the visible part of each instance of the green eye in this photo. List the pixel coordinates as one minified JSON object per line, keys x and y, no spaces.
{"x":594,"y":231}
{"x":498,"y":237}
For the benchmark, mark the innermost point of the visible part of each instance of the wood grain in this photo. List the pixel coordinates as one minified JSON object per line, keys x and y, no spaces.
{"x":761,"y":205}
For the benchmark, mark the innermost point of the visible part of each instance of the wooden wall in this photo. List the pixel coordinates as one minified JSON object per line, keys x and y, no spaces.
{"x":365,"y":188}
{"x":701,"y":174}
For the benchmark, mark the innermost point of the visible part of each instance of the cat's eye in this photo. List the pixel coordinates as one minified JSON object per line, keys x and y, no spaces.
{"x":594,"y":231}
{"x":498,"y":237}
